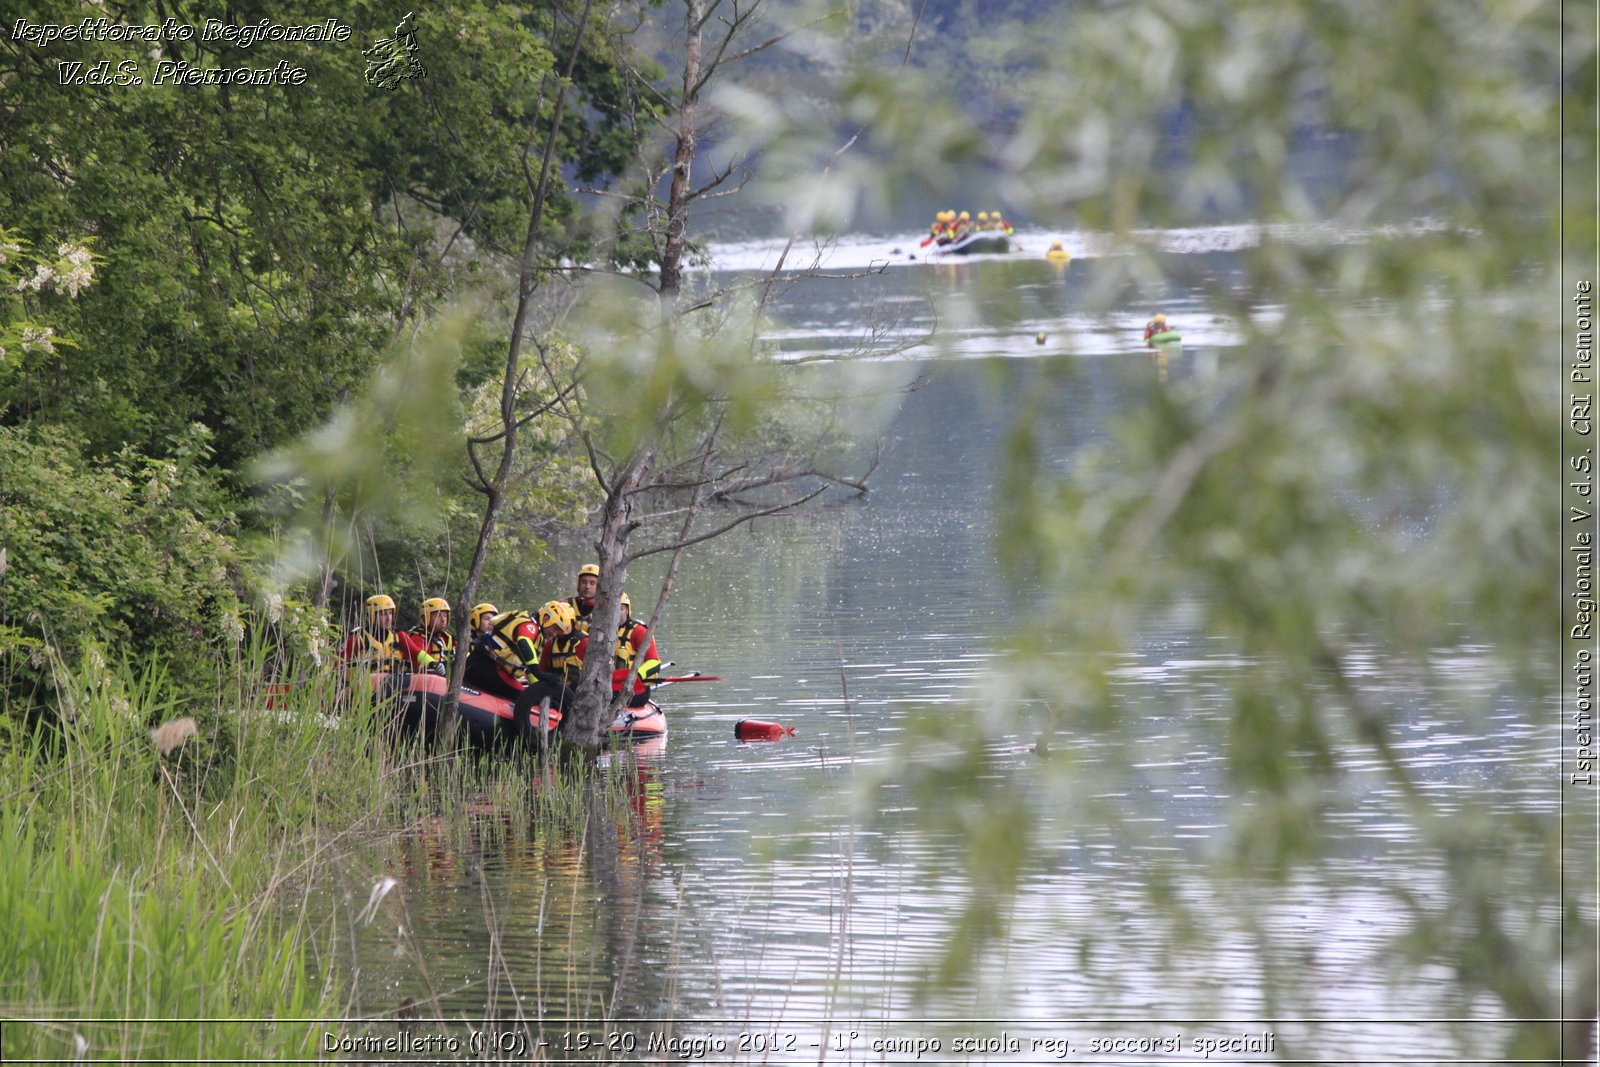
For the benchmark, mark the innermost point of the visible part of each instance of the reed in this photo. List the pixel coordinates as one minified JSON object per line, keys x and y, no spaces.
{"x":159,"y":857}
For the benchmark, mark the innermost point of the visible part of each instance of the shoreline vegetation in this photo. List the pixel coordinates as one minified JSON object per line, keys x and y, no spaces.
{"x":266,"y":347}
{"x":164,"y":882}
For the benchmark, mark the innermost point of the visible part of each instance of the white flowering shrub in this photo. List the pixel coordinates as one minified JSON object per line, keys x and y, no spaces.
{"x":32,"y":286}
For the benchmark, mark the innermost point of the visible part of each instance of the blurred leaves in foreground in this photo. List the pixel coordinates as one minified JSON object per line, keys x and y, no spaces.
{"x":1366,"y":487}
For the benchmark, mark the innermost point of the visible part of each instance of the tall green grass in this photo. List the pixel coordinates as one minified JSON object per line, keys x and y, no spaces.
{"x":139,"y":910}
{"x":171,"y":905}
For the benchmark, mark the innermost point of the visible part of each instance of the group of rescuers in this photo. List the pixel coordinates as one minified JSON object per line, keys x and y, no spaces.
{"x":949,"y":226}
{"x":521,"y":657}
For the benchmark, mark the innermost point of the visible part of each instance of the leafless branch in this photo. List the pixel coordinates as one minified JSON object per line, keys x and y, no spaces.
{"x":734,"y":524}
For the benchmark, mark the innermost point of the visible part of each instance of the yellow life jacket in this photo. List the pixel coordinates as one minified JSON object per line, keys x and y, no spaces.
{"x":501,"y":640}
{"x":439,"y":645}
{"x":382,"y":654}
{"x":581,"y":623}
{"x":564,"y":658}
{"x":625,"y":647}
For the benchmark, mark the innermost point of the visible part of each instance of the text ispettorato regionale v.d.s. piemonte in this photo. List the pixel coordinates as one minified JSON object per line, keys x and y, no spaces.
{"x":152,"y":68}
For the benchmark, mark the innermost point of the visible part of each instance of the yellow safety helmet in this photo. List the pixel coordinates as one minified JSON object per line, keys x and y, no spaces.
{"x":589,"y":568}
{"x":625,"y":602}
{"x":433,"y":604}
{"x":994,"y":214}
{"x":1160,"y":320}
{"x":475,"y":616}
{"x":983,"y":216}
{"x":376,"y":604}
{"x":558,"y":613}
{"x":965,"y":217}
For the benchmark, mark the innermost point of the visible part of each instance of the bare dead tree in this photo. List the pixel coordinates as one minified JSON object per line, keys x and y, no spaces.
{"x":706,"y":491}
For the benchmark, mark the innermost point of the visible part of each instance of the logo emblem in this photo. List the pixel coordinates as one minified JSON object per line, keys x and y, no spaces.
{"x":391,"y":61}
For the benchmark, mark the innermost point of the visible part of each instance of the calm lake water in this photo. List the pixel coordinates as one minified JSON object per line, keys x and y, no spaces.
{"x":741,"y":905}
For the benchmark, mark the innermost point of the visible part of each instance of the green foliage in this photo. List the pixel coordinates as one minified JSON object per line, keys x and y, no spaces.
{"x":130,"y":559}
{"x":28,"y":323}
{"x":256,"y":251}
{"x":381,"y":493}
{"x":138,"y":881}
{"x":987,"y":48}
{"x":642,"y":378}
{"x":638,"y":368}
{"x":377,"y":463}
{"x":237,"y":237}
{"x":263,"y":244}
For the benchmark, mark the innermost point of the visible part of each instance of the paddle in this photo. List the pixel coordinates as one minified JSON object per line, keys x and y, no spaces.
{"x":695,"y":677}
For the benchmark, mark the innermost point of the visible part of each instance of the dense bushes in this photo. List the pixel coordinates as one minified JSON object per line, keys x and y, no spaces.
{"x":133,"y":557}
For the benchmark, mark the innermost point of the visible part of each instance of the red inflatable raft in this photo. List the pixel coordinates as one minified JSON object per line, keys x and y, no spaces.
{"x":488,"y":718}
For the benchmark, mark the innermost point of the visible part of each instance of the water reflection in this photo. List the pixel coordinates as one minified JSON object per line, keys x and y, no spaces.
{"x":515,"y":912}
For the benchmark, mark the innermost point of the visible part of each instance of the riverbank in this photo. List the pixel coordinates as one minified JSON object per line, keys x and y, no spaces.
{"x":165,"y":891}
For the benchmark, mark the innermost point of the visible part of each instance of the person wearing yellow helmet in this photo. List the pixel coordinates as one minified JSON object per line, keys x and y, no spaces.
{"x":634,"y":642}
{"x":583,"y":602}
{"x":963,"y":225}
{"x":518,"y":648}
{"x":513,"y":659}
{"x":378,"y":646}
{"x":555,"y":676}
{"x":558,"y":615}
{"x":480,"y":615}
{"x":1155,"y":326}
{"x":559,"y":657}
{"x":479,"y":620}
{"x":504,"y":652}
{"x":983,"y":220}
{"x":434,"y":633}
{"x":634,"y":639}
{"x":997,"y":221}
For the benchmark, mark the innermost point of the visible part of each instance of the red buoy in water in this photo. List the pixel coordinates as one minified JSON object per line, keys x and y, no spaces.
{"x":756,"y":730}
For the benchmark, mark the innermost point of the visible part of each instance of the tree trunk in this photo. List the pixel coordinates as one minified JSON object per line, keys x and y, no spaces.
{"x":495,"y":488}
{"x":678,"y":195}
{"x":589,"y":714}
